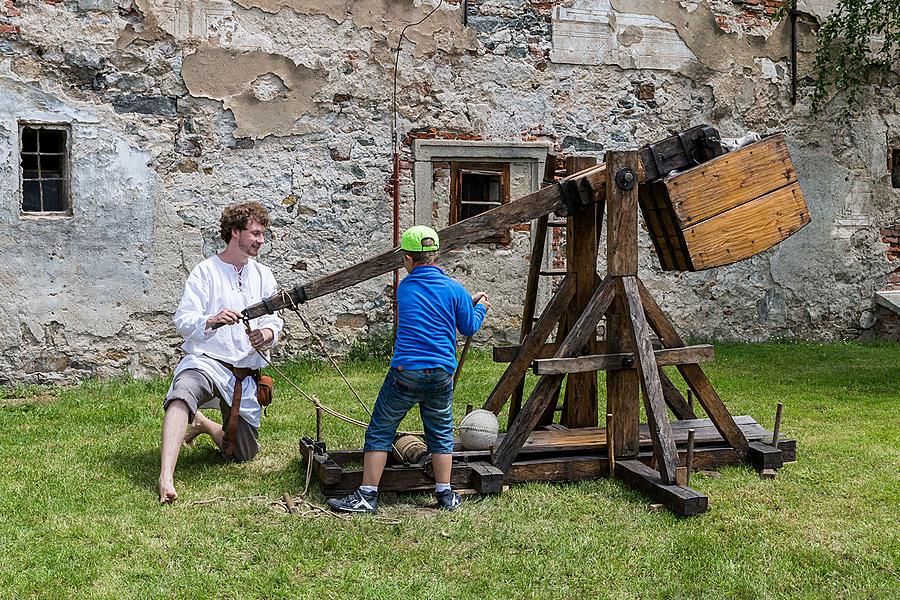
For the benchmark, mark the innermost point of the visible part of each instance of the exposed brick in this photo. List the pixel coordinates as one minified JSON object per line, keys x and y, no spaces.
{"x":7,"y":29}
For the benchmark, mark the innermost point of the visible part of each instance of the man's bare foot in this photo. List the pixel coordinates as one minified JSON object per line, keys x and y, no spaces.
{"x":167,"y":493}
{"x":191,"y":434}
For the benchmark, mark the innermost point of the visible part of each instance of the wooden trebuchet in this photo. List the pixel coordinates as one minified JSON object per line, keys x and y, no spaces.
{"x":591,"y":184}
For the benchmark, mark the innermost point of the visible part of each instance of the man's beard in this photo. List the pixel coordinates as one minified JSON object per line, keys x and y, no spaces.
{"x":249,"y":249}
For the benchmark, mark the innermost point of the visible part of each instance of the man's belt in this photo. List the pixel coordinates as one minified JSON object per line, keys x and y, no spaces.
{"x":240,"y":373}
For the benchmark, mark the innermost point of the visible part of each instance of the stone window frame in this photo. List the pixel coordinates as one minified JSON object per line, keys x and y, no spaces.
{"x":66,"y":178}
{"x":427,"y":151}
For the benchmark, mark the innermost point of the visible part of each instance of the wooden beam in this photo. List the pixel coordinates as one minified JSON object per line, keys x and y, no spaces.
{"x":548,"y":385}
{"x":675,"y":401}
{"x":694,"y":376}
{"x":533,"y":343}
{"x":486,"y":224}
{"x":624,"y":360}
{"x":622,"y":387}
{"x":580,"y":409}
{"x":648,"y":373}
{"x":531,"y":286}
{"x":680,"y":500}
{"x":505,"y":354}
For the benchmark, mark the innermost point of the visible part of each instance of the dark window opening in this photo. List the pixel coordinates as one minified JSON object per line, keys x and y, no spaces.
{"x":45,"y":172}
{"x":894,"y":167}
{"x":477,"y":188}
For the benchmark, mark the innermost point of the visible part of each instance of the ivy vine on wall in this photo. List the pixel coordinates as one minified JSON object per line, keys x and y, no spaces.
{"x":857,"y":38}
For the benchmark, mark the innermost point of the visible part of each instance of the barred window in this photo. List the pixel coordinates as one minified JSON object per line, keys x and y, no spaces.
{"x":45,"y":168}
{"x":477,"y":188}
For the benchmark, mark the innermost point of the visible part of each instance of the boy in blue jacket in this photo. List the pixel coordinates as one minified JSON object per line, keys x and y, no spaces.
{"x":431,"y":308}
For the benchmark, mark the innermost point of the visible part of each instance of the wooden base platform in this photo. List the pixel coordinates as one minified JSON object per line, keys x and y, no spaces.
{"x":561,"y":454}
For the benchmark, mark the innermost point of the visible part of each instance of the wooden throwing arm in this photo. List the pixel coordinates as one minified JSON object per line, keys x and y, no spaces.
{"x":579,"y":189}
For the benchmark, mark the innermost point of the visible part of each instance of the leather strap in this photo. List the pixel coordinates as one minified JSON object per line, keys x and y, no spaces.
{"x":240,"y":373}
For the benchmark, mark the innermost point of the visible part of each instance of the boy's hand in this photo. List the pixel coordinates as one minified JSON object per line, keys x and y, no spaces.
{"x":481,"y":298}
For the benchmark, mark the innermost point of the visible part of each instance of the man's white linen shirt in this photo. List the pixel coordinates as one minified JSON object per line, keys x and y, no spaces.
{"x":214,"y":285}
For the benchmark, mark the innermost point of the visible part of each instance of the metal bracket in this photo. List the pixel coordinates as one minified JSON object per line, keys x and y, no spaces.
{"x":626,"y":178}
{"x":300,"y":293}
{"x":575,"y":195}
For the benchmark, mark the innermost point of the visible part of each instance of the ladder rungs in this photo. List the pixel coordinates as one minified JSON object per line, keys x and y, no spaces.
{"x":552,"y":272}
{"x":556,"y":223}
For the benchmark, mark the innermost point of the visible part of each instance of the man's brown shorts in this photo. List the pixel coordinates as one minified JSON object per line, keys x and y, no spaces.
{"x":194,"y":388}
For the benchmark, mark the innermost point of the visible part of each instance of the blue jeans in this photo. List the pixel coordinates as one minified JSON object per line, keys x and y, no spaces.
{"x":432,"y":390}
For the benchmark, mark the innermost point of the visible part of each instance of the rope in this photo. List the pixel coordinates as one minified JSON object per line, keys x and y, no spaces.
{"x":290,"y":304}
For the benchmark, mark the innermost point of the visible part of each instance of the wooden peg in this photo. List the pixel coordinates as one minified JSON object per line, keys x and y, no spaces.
{"x":777,"y":429}
{"x":689,"y":457}
{"x":289,"y":503}
{"x":610,"y":444}
{"x":318,"y":423}
{"x":681,"y":476}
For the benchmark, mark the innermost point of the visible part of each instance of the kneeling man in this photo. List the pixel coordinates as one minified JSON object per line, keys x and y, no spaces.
{"x":221,"y":363}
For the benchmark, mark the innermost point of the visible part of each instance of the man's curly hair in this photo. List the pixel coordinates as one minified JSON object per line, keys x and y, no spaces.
{"x":238,"y":216}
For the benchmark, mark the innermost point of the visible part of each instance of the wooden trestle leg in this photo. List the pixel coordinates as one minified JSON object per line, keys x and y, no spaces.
{"x":548,"y":385}
{"x":531,"y":346}
{"x":645,"y":362}
{"x":694,"y":376}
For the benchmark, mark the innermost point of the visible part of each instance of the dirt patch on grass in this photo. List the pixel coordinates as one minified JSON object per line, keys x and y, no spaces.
{"x":14,"y":401}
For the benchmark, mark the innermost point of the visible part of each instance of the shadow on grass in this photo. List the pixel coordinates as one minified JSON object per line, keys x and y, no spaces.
{"x":141,"y":465}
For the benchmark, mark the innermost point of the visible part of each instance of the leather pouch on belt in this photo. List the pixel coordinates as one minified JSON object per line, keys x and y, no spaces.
{"x":265,"y":390}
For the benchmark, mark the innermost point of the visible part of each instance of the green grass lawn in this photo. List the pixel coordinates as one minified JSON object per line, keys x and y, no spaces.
{"x":79,"y":514}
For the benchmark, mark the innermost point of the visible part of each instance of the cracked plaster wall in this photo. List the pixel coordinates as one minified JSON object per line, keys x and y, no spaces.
{"x":179,"y":108}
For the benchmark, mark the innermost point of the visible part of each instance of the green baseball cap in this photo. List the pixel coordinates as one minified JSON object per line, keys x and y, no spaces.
{"x":413,"y":238}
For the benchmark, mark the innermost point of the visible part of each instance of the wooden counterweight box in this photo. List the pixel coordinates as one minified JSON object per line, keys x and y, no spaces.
{"x":726,"y":209}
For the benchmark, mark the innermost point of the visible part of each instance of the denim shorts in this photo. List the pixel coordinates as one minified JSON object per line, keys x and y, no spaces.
{"x":432,"y":390}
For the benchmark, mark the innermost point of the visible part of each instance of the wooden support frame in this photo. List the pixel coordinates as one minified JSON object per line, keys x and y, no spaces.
{"x":647,"y":457}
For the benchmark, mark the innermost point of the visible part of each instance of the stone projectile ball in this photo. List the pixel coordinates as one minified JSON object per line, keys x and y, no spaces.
{"x":478,"y":430}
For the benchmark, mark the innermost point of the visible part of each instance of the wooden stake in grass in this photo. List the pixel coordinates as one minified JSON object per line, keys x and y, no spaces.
{"x":610,"y":445}
{"x":689,"y":457}
{"x":777,"y":429}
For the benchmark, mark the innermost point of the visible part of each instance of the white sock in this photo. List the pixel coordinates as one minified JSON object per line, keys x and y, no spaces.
{"x":441,"y":487}
{"x":369,"y":489}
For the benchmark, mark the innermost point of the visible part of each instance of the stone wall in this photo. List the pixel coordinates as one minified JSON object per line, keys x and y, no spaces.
{"x":178,"y":108}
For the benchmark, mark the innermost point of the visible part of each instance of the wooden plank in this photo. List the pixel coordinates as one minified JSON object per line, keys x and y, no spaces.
{"x":486,"y":224}
{"x":748,"y":229}
{"x":406,"y":478}
{"x":594,"y":466}
{"x":593,"y":439}
{"x":648,"y":374}
{"x":621,"y":218}
{"x":702,"y":353}
{"x":548,"y":386}
{"x":730,"y":180}
{"x":674,"y":400}
{"x":505,"y":354}
{"x":533,"y":343}
{"x":694,"y":375}
{"x":580,"y":409}
{"x":681,"y":500}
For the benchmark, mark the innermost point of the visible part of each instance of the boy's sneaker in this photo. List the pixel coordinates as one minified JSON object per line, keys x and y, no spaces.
{"x":357,"y":502}
{"x":448,"y":500}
